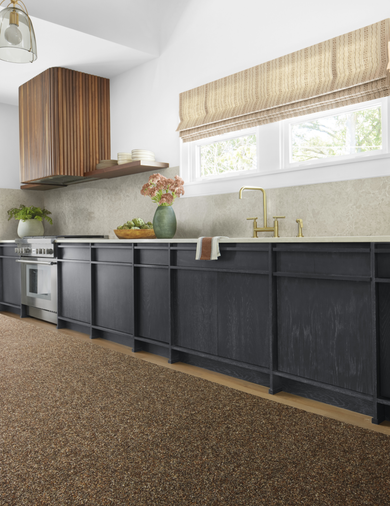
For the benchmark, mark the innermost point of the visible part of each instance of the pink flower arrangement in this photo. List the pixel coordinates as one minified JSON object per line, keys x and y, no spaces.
{"x":163,"y":190}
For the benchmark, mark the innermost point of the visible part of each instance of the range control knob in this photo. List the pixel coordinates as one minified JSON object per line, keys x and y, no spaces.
{"x":26,"y":250}
{"x":49,"y":251}
{"x":17,"y":250}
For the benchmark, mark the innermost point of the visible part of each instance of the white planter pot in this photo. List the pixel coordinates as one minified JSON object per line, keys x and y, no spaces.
{"x":30,"y":228}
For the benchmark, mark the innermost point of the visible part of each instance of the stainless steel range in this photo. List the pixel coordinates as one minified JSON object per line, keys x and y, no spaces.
{"x":38,"y":260}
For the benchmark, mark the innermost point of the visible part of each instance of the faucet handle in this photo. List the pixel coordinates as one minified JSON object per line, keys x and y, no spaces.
{"x":254,"y":226}
{"x":300,"y":227}
{"x":276,"y":225}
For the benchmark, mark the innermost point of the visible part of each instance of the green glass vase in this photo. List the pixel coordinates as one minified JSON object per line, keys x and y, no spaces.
{"x":164,"y":222}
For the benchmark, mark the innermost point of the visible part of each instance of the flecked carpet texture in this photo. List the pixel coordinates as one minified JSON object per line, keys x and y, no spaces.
{"x":81,"y":424}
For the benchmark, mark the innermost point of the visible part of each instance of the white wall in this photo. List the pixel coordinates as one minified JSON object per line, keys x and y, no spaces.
{"x":9,"y":146}
{"x":213,"y":39}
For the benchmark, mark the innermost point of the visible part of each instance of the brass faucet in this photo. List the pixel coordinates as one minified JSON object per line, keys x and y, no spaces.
{"x":300,"y":227}
{"x":265,"y":228}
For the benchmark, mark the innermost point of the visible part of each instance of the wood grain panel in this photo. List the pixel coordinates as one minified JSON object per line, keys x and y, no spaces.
{"x":121,"y":254}
{"x":351,"y":264}
{"x":152,"y":257}
{"x":75,"y":291}
{"x":195,"y":321}
{"x":152,"y":304}
{"x":243,"y":313}
{"x":64,"y":124}
{"x":384,"y":339}
{"x":324,"y":330}
{"x":113,"y":297}
{"x":229,"y":259}
{"x":34,"y":128}
{"x":10,"y":281}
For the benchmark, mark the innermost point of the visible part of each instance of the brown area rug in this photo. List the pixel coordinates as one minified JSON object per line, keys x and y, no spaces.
{"x":81,"y":424}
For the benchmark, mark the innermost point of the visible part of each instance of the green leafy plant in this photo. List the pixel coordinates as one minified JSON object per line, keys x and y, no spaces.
{"x":29,"y":213}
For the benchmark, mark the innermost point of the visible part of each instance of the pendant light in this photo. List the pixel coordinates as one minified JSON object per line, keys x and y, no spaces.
{"x":17,"y":37}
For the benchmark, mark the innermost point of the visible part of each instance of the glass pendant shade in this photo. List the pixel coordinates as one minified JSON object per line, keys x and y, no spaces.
{"x":17,"y":37}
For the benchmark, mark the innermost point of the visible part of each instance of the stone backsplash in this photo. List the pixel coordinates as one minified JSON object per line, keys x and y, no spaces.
{"x":358,"y":207}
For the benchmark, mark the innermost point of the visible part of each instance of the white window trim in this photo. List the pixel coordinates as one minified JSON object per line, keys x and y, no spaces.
{"x":273,"y":170}
{"x":190,"y":152}
{"x":335,"y":160}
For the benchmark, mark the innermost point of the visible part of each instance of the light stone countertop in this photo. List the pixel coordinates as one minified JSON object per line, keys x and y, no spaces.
{"x":227,"y":240}
{"x":249,"y":240}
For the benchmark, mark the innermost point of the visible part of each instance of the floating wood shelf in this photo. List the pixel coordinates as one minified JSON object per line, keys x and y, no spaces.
{"x":126,"y":169}
{"x":115,"y":171}
{"x":41,"y":186}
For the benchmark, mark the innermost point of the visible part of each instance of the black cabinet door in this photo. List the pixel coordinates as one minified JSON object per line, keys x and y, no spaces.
{"x":324,"y":331}
{"x":195,"y":321}
{"x":384,"y":338}
{"x":223,"y":314}
{"x":74,"y":282}
{"x":243,"y":318}
{"x":10,"y":281}
{"x":152,"y":303}
{"x":113,"y":297}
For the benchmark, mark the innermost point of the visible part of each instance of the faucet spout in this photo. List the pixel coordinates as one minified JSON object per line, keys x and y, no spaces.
{"x":264,"y":200}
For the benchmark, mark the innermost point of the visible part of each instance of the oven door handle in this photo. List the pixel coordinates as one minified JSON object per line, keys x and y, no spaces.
{"x":34,"y":262}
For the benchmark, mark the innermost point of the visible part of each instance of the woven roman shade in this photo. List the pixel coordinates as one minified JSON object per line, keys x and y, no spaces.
{"x":345,"y":70}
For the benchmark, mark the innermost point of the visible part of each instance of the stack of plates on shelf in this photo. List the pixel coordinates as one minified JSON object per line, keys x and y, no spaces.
{"x":143,"y":154}
{"x":103,"y":164}
{"x":124,"y":158}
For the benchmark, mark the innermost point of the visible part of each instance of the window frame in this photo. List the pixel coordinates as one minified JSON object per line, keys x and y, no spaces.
{"x":191,"y":152}
{"x":272,"y":153}
{"x":333,"y":160}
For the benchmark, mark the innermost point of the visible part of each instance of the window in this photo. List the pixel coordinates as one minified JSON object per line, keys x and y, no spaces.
{"x":346,"y":143}
{"x":355,"y":132}
{"x":229,"y":156}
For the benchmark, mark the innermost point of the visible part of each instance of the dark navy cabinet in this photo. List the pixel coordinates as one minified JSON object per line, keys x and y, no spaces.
{"x":10,"y":282}
{"x":312,"y":319}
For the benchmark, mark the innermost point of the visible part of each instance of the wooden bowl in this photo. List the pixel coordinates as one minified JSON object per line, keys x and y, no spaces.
{"x":135,"y":234}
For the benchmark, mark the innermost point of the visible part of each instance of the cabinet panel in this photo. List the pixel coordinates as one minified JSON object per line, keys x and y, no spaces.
{"x":195,"y":322}
{"x":152,"y":256}
{"x":243,"y":318}
{"x":113,"y":297}
{"x":120,"y":254}
{"x":254,"y":258}
{"x":384,"y":339}
{"x":75,"y":291}
{"x":342,"y":264}
{"x":324,"y":332}
{"x":383,"y":265}
{"x":74,"y":253}
{"x":8,"y":250}
{"x":152,"y":303}
{"x":10,"y":281}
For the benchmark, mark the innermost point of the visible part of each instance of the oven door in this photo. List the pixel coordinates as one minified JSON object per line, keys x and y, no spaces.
{"x":39,"y":283}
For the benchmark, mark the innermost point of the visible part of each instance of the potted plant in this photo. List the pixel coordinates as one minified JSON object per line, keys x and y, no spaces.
{"x":163,"y":191}
{"x":30,"y":219}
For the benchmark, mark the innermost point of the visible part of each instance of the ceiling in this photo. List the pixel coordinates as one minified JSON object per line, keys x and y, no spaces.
{"x":98,"y":37}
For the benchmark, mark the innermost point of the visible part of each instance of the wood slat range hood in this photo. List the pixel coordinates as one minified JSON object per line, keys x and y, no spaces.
{"x":64,"y":127}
